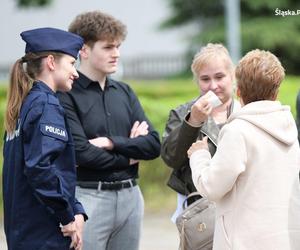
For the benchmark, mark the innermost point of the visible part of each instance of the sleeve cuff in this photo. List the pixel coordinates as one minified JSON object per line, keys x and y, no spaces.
{"x":118,"y":141}
{"x":188,"y":130}
{"x":186,"y":120}
{"x":65,"y":216}
{"x":78,"y":209}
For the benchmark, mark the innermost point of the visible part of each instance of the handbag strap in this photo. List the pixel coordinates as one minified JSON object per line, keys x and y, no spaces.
{"x":193,"y":194}
{"x":182,"y":237}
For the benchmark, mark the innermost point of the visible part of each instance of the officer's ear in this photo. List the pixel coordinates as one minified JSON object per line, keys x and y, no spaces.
{"x":50,"y":61}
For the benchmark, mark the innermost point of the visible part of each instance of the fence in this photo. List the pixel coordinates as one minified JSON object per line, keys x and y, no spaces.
{"x":144,"y":67}
{"x":154,"y":66}
{"x":4,"y":72}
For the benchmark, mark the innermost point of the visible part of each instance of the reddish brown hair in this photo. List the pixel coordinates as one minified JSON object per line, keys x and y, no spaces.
{"x":259,"y":75}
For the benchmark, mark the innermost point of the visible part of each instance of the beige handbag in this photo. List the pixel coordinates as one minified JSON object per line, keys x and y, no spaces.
{"x":196,"y":224}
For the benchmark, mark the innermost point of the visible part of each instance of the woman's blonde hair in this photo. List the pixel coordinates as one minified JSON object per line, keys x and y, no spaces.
{"x":21,"y":79}
{"x":209,"y":53}
{"x":259,"y":75}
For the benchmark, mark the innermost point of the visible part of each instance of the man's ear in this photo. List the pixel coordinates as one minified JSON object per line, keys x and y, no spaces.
{"x":50,"y":60}
{"x":84,"y":52}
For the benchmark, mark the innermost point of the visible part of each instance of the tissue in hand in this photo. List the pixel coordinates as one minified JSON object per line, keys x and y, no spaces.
{"x":213,"y":99}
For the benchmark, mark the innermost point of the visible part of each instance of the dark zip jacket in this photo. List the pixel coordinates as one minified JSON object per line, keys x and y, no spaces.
{"x":179,"y":135}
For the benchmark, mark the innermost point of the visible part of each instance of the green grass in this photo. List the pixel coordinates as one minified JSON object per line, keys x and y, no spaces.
{"x":158,"y":98}
{"x":288,"y":92}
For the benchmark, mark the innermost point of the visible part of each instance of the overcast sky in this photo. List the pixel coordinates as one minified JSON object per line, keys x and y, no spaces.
{"x":142,"y":18}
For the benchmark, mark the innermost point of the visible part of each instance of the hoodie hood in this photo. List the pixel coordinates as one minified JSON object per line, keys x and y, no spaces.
{"x":271,"y":117}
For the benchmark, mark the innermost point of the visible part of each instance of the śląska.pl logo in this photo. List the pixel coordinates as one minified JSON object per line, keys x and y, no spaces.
{"x":285,"y":13}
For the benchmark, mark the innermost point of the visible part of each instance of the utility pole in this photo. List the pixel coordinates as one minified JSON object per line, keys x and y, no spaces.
{"x":233,"y":20}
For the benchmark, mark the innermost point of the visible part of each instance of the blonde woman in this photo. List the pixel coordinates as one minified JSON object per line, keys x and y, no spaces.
{"x":254,"y":175}
{"x":213,"y":71}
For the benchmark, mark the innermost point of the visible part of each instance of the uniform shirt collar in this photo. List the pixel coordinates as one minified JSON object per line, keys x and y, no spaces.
{"x":44,"y":87}
{"x":84,"y":81}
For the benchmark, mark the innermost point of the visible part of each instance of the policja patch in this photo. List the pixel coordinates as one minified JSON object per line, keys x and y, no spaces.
{"x":54,"y":131}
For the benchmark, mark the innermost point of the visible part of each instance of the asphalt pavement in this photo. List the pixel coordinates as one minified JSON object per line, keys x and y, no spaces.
{"x":159,"y":233}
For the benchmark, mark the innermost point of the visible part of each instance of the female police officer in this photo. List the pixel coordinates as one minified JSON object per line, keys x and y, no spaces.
{"x":39,"y":169}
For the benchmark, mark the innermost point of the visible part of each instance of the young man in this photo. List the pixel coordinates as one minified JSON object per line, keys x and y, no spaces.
{"x":111,"y":134}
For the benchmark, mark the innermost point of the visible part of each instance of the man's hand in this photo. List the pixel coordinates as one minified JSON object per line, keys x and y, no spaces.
{"x":200,"y":111}
{"x":102,"y":142}
{"x":197,"y":146}
{"x":133,"y":162}
{"x":139,"y":129}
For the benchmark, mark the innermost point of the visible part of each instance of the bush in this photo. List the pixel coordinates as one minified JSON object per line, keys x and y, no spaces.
{"x":158,"y":98}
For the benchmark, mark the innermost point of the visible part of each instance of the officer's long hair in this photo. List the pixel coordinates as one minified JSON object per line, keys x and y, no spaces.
{"x":24,"y":72}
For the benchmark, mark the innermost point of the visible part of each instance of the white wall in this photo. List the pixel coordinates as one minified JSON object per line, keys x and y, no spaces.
{"x":142,"y":18}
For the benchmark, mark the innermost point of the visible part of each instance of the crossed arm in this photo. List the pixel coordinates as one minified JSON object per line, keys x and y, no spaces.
{"x":138,"y":129}
{"x":116,"y":151}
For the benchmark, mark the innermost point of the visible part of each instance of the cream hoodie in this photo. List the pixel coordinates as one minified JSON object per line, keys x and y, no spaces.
{"x":254,"y":179}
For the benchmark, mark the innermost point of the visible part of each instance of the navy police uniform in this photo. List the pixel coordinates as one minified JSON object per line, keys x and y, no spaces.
{"x":39,"y":173}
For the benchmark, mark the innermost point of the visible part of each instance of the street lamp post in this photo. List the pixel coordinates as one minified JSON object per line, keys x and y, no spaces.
{"x":232,"y":15}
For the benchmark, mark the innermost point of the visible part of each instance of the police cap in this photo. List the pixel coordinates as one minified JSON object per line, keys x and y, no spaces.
{"x":52,"y":39}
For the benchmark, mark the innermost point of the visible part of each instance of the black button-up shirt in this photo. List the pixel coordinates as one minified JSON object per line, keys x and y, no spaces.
{"x":93,"y":112}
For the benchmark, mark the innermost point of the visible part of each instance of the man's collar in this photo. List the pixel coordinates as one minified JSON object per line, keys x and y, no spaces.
{"x":84,"y":81}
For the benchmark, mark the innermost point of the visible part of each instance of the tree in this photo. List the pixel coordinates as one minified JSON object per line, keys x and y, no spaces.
{"x":264,"y":24}
{"x":34,"y":3}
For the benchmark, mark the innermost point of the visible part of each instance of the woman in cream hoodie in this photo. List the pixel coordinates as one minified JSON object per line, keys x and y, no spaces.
{"x":254,"y":175}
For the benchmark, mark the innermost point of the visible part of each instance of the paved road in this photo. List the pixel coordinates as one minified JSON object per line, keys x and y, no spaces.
{"x":158,"y":234}
{"x":2,"y":238}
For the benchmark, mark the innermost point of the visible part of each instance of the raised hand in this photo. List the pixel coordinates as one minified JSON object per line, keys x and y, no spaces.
{"x":201,"y":144}
{"x":200,"y":111}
